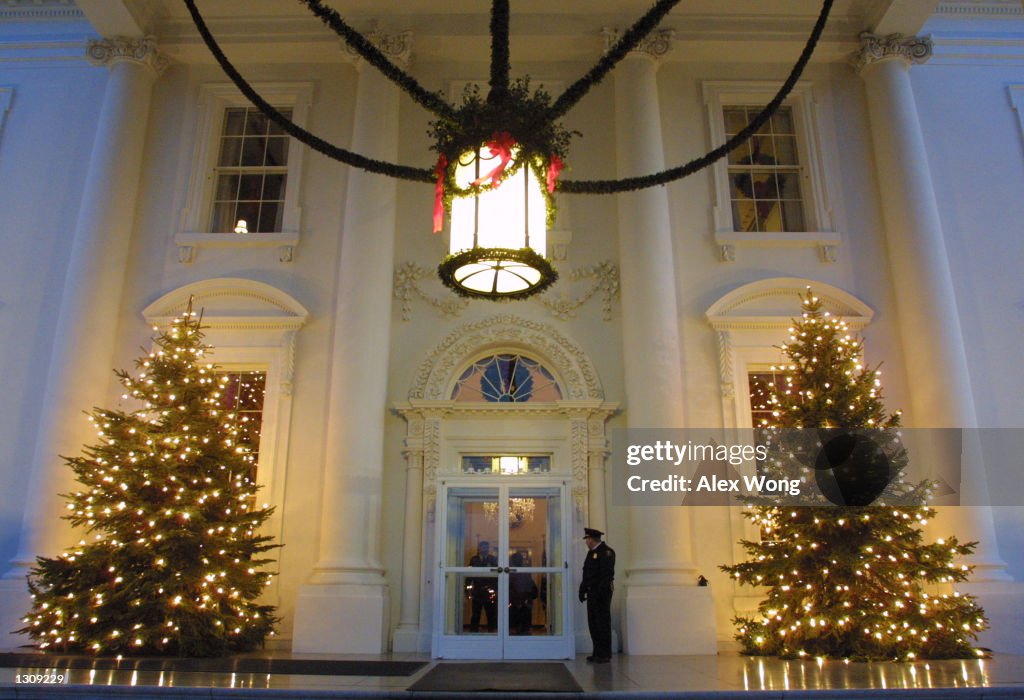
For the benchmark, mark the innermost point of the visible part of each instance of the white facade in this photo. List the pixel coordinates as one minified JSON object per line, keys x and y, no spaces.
{"x":912,"y":182}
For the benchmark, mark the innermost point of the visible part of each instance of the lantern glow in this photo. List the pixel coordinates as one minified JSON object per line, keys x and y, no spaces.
{"x":498,"y":236}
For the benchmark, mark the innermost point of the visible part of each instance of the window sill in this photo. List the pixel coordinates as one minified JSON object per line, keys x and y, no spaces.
{"x":189,"y":243}
{"x":727,"y":242}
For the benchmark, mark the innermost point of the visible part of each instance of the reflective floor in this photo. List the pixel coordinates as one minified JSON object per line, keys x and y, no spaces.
{"x":661,"y":676}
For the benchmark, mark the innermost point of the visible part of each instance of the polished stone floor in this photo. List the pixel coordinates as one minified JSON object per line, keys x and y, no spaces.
{"x":723,"y":676}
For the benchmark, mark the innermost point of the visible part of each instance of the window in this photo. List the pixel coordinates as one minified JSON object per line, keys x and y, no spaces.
{"x":242,"y":168}
{"x":771,"y":191}
{"x":243,"y":394}
{"x":764,"y":173}
{"x":506,"y":378}
{"x":506,"y":464}
{"x":251,"y":174}
{"x":762,"y":385}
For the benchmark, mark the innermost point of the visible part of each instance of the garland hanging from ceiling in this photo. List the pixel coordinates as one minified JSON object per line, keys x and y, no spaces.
{"x":510,"y":117}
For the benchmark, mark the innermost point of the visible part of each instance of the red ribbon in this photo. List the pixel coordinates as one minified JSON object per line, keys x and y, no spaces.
{"x":500,"y":145}
{"x":439,"y":170}
{"x":553,"y":171}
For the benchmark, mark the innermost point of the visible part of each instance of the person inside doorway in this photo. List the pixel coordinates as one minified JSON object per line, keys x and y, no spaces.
{"x":596,"y":590}
{"x":521,"y":593}
{"x":483,"y":589}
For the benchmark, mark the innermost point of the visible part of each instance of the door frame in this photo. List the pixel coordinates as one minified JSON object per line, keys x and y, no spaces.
{"x":502,"y":645}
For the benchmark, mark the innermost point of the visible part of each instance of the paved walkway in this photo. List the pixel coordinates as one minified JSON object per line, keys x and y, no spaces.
{"x":716,"y":677}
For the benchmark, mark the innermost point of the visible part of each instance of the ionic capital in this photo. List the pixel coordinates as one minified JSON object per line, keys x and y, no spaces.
{"x":138,"y":50}
{"x":875,"y":48}
{"x":396,"y":47}
{"x":655,"y":46}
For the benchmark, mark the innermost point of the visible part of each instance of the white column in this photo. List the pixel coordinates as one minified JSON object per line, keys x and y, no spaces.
{"x":343,"y":607}
{"x":664,"y":607}
{"x":936,"y":360}
{"x":408,"y":633}
{"x":86,"y":325}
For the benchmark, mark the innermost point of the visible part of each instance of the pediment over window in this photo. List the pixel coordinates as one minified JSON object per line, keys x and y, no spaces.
{"x":230,"y":303}
{"x":773,"y":303}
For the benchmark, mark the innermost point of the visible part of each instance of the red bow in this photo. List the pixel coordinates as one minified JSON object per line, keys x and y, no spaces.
{"x":500,"y":145}
{"x":439,"y":170}
{"x":553,"y":170}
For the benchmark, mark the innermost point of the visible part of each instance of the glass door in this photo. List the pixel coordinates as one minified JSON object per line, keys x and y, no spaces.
{"x":502,"y":586}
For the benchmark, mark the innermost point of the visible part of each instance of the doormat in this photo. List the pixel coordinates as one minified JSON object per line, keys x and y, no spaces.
{"x":242,"y":664}
{"x":525,"y":677}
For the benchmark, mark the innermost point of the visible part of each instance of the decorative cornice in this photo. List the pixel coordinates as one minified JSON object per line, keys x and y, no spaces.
{"x":876,"y":48}
{"x":981,"y":8}
{"x":655,"y":46}
{"x":397,"y":47}
{"x":605,"y":285}
{"x":37,"y":10}
{"x":141,"y":50}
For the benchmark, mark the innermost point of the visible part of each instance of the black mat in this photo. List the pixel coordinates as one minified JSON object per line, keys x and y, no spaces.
{"x":241,"y":664}
{"x":525,"y":677}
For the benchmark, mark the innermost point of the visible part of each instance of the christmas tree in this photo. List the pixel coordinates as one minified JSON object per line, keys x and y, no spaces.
{"x":172,"y":565}
{"x":853,"y":580}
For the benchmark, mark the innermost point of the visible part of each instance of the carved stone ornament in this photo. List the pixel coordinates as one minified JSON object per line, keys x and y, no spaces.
{"x":603,"y":278}
{"x":875,"y":48}
{"x":397,"y":47}
{"x":655,"y":45}
{"x":142,"y":50}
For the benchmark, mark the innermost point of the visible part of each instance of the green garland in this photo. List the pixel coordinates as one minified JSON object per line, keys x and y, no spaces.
{"x":528,"y":256}
{"x":536,"y":132}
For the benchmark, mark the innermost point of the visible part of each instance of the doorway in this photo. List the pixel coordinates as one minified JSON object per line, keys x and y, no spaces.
{"x":502,"y":587}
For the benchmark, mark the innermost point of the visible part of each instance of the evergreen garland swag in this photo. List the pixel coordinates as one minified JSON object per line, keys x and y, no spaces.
{"x":854,"y":581}
{"x":175,"y":563}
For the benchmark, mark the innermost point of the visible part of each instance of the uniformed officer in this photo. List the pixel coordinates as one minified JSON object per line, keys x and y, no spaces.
{"x":596,"y":589}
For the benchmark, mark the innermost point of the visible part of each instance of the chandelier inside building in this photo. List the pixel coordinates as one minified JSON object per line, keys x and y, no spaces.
{"x":499,"y":157}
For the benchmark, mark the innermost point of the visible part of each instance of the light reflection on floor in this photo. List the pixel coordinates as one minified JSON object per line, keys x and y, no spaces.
{"x":699,"y":675}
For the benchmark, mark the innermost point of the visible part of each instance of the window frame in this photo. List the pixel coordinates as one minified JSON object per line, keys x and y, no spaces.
{"x":6,"y":97}
{"x":817,"y":210}
{"x":213,"y":101}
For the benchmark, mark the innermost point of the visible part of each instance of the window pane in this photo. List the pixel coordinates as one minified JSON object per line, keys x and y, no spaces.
{"x":785,"y":150}
{"x":740,"y":154}
{"x":793,"y":213}
{"x":782,"y":121}
{"x":250,"y":211}
{"x":230,"y":151}
{"x":271,"y":214}
{"x":735,"y":120}
{"x":743,"y":215}
{"x":273,"y":187}
{"x":227,"y":187}
{"x":234,"y":122}
{"x":789,"y":186}
{"x":224,"y":217}
{"x":250,"y":187}
{"x":277,"y":151}
{"x":769,"y":216}
{"x":272,"y":128}
{"x":256,"y":124}
{"x":252,"y":151}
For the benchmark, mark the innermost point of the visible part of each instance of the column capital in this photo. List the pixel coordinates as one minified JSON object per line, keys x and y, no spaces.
{"x":875,"y":48}
{"x":655,"y":46}
{"x":139,"y":50}
{"x":397,"y":47}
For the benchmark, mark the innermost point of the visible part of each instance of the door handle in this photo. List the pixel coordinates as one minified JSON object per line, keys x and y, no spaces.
{"x":497,"y":570}
{"x":510,"y":571}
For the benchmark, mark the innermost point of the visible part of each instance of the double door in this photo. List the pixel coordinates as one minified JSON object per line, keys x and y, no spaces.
{"x":502,"y":583}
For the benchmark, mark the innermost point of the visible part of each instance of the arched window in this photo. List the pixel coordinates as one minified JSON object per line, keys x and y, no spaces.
{"x":506,"y":378}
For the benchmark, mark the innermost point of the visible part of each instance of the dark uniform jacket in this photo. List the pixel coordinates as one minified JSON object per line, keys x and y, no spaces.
{"x":598,"y":572}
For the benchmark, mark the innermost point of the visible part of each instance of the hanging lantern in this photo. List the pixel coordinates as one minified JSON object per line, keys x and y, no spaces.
{"x":499,"y":233}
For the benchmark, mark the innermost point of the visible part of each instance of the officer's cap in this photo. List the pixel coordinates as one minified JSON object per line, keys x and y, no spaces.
{"x":591,"y":532}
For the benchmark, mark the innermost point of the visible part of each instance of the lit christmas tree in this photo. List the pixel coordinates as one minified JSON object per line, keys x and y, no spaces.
{"x":173,"y":565}
{"x":854,"y":580}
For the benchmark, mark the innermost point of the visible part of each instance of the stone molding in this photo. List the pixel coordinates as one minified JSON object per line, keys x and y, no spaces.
{"x":876,"y":48}
{"x":573,"y":369}
{"x":655,"y":46}
{"x":140,"y":50}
